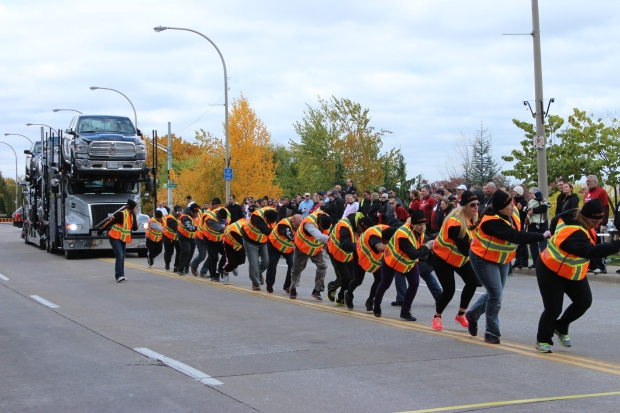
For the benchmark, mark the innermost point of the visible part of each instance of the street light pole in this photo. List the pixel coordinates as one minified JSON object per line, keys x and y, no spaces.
{"x":135,"y":116}
{"x":16,"y":185}
{"x":41,"y":124}
{"x":73,"y":110}
{"x":226,"y":141}
{"x":17,"y":134}
{"x":539,"y":105}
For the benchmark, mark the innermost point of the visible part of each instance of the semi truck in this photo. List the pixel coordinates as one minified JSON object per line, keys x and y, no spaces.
{"x":79,"y":178}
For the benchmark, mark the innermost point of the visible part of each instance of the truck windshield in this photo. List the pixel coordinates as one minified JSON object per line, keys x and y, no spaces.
{"x":118,"y":186}
{"x":99,"y":124}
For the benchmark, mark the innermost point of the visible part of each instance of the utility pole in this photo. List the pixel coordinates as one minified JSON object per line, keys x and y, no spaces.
{"x":540,"y":141}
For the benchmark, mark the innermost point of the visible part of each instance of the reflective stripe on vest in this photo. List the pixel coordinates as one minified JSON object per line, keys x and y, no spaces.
{"x":305,"y":242}
{"x":397,"y":259}
{"x":367,"y":258}
{"x":152,"y":234}
{"x":281,"y":243}
{"x":492,"y":248}
{"x":445,"y":248}
{"x":254,"y":233}
{"x":516,"y":217}
{"x":209,"y":233}
{"x":234,"y":228}
{"x":184,"y":231}
{"x":122,"y":233}
{"x":198,"y":222}
{"x":334,"y":247}
{"x":168,"y":232}
{"x":564,"y":264}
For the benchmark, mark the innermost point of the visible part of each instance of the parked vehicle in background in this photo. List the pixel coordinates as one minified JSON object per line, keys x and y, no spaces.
{"x":18,"y":218}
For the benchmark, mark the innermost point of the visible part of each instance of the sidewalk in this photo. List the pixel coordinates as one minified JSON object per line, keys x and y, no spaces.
{"x":610,"y":277}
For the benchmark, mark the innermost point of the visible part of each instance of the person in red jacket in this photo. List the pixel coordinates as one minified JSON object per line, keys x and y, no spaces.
{"x":427,"y":204}
{"x":399,"y":211}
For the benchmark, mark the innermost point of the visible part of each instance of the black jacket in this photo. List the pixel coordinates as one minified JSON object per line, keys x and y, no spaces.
{"x":579,"y":244}
{"x":569,"y":202}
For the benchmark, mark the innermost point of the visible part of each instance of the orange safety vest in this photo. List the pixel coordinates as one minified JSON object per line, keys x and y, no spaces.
{"x":122,"y":233}
{"x":184,"y":231}
{"x":564,"y":264}
{"x":234,"y":228}
{"x":445,"y":248}
{"x":198,"y":222}
{"x":209,"y":233}
{"x":168,"y":232}
{"x":492,"y":248}
{"x":333,"y":247}
{"x":152,"y":234}
{"x":254,"y":233}
{"x":281,"y":243}
{"x":305,"y":242}
{"x":394,"y":257}
{"x":367,"y":258}
{"x":516,"y":217}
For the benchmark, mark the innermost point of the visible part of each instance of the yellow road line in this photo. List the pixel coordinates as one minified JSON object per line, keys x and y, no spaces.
{"x":509,"y":402}
{"x":516,"y":348}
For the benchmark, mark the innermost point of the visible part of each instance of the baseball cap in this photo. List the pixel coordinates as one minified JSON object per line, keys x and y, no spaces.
{"x":307,"y":194}
{"x":461,"y":187}
{"x":385,"y":195}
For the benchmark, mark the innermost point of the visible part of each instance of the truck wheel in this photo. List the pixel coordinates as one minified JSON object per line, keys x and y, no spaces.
{"x":48,"y":241}
{"x":70,"y":254}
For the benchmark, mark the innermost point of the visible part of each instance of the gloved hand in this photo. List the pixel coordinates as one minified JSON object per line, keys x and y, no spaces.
{"x":547,"y":234}
{"x":100,"y":232}
{"x":429,"y":244}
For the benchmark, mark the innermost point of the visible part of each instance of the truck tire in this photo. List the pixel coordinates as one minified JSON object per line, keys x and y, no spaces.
{"x":48,"y":242}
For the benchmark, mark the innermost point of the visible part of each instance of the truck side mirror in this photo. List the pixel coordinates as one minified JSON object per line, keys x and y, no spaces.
{"x":28,"y":152}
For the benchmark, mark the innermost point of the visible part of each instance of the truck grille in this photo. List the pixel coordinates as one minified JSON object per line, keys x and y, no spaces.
{"x":99,"y":212}
{"x":111,"y":149}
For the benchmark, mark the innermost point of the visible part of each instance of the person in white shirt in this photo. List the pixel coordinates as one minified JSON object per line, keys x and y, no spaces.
{"x":352,"y":205}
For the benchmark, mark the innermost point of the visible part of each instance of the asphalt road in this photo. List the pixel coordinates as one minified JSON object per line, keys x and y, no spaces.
{"x":228,"y":349}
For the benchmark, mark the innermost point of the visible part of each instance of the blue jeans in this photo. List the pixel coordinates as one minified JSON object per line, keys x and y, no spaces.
{"x":118,"y":247}
{"x":493,"y":277}
{"x":201,"y":245}
{"x":258,"y":260}
{"x":426,"y":273}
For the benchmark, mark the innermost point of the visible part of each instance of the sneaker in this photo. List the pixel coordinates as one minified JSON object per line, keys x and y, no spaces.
{"x":472,"y":326}
{"x":287,"y":291}
{"x":564,"y":339}
{"x":348,"y":300}
{"x":194,"y":271}
{"x":543,"y":347}
{"x":203,"y":275}
{"x":120,"y":279}
{"x":376,"y":310}
{"x":180,"y":273}
{"x":255,"y":287}
{"x":491,"y":339}
{"x":397,"y":303}
{"x":437,"y":323}
{"x":597,"y":271}
{"x":235,"y":272}
{"x":215,"y":279}
{"x":369,"y":304}
{"x":317,"y":295}
{"x":331,"y":295}
{"x":461,"y":320}
{"x":340,"y":302}
{"x":262,"y":279}
{"x":186,"y":270}
{"x":167,"y":267}
{"x":292,"y":293}
{"x":407,"y":317}
{"x":225,"y":280}
{"x":270,"y":289}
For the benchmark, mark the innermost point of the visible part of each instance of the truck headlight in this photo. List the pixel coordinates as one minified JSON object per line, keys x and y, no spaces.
{"x":140,"y":149}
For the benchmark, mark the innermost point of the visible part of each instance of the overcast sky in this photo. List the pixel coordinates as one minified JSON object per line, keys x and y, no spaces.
{"x":428,"y":71}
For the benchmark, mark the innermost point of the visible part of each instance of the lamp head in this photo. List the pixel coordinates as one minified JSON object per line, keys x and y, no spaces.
{"x":55,"y":110}
{"x":29,"y":124}
{"x":93,"y":87}
{"x":159,"y":29}
{"x":6,"y":134}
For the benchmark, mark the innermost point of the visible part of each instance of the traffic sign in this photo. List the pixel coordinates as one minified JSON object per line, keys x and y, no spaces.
{"x":228,"y":174}
{"x":170,"y":185}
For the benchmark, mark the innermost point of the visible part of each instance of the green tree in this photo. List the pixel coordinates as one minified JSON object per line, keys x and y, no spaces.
{"x":484,"y":168}
{"x":338,"y":142}
{"x":287,"y":170}
{"x":2,"y":205}
{"x":395,"y":175}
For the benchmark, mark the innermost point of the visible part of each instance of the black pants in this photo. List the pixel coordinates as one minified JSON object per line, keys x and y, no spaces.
{"x":154,"y":249}
{"x":215,"y":252}
{"x":233,"y":258}
{"x":169,"y":249}
{"x":597,"y":263}
{"x":522,"y":256}
{"x":445,"y":275}
{"x":358,"y":279}
{"x":552,"y":289}
{"x":187,"y":244}
{"x":344,"y":274}
{"x":274,"y":258}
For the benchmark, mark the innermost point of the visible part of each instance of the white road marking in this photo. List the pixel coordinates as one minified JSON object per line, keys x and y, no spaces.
{"x":2,"y":277}
{"x":44,"y":301}
{"x":181,"y":367}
